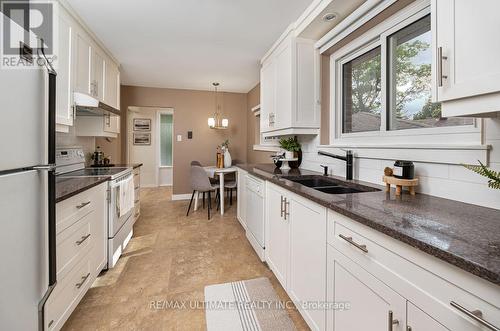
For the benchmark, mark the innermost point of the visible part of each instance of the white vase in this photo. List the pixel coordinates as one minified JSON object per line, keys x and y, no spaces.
{"x":227,"y":159}
{"x":288,"y":154}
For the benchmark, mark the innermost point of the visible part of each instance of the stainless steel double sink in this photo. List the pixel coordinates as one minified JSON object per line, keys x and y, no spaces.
{"x":330,"y":185}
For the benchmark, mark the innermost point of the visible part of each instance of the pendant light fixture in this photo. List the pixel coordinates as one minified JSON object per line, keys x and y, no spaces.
{"x":216,"y":121}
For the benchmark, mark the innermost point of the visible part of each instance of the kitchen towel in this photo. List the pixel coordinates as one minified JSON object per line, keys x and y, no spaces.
{"x":126,"y":195}
{"x":249,"y":305}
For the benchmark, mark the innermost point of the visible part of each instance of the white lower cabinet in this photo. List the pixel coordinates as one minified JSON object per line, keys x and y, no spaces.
{"x":277,"y":233}
{"x":345,"y":276}
{"x":367,"y":303}
{"x":307,"y":278}
{"x":81,"y":226}
{"x":418,"y":320}
{"x":296,"y":251}
{"x":241,"y":194}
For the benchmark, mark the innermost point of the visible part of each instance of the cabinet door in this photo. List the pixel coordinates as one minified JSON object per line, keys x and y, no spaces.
{"x":368,"y":302}
{"x":111,"y":84}
{"x":98,"y":71}
{"x":283,"y":91}
{"x":418,"y":320}
{"x":277,"y":245}
{"x":82,"y":63}
{"x":464,"y":31}
{"x":267,"y":88}
{"x":64,"y":104}
{"x":241,"y":200}
{"x":307,"y":281}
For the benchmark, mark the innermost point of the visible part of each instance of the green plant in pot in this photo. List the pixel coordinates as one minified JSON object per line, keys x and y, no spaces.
{"x":291,"y":147}
{"x":481,"y":169}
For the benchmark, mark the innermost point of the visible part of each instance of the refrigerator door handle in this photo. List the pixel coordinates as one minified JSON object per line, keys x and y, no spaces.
{"x":45,"y":167}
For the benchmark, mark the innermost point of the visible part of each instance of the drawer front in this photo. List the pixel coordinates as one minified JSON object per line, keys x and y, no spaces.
{"x":402,"y":267}
{"x":74,"y":242}
{"x":71,"y":210}
{"x":67,"y":294}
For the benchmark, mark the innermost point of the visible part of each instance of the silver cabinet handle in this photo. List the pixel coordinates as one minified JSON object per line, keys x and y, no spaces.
{"x":50,"y":323}
{"x":84,"y":279}
{"x":475,"y":315}
{"x":287,"y":204}
{"x":83,"y":204}
{"x":79,"y":242}
{"x":282,"y":201}
{"x":391,"y":321}
{"x":439,"y":64}
{"x":355,"y":244}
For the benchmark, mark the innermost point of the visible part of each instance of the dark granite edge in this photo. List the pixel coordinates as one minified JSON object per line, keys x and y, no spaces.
{"x":450,"y":258}
{"x":82,"y":189}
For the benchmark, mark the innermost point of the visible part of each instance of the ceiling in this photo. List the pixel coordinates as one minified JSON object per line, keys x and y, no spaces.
{"x":189,"y":44}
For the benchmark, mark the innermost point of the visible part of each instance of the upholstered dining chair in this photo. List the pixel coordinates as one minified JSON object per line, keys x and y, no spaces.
{"x":201,"y":184}
{"x":212,"y":180}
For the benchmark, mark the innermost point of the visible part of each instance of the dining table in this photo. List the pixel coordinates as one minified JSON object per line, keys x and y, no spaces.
{"x":213,"y":171}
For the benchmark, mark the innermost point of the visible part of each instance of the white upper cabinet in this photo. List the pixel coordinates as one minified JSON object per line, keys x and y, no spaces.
{"x":290,"y":88}
{"x":466,"y":70}
{"x":112,"y":85}
{"x":64,"y":95}
{"x":268,"y":78}
{"x":82,"y":63}
{"x":97,"y":73}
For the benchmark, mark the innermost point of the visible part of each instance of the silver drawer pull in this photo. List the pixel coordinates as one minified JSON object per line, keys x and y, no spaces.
{"x":391,"y":321}
{"x":79,"y":242}
{"x":136,"y":201}
{"x":350,"y":241}
{"x":83,"y":204}
{"x":50,"y":323}
{"x":84,"y":279}
{"x":282,"y":200}
{"x":475,"y":315}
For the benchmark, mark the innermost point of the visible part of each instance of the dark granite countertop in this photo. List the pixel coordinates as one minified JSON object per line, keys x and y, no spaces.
{"x":465,"y":235}
{"x":126,"y":165}
{"x":67,"y":187}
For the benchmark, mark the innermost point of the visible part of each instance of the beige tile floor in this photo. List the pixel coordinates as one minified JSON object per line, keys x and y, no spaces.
{"x":171,"y":257}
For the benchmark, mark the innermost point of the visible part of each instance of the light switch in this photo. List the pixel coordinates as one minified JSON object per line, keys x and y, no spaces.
{"x":179,"y":137}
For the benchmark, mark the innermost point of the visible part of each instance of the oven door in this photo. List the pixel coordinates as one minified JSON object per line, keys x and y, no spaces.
{"x":116,"y":219}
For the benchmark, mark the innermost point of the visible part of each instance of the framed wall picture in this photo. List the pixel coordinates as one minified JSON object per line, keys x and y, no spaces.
{"x":142,"y":138}
{"x":142,"y":124}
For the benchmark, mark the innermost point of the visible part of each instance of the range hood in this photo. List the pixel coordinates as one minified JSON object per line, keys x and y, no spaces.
{"x":85,"y":105}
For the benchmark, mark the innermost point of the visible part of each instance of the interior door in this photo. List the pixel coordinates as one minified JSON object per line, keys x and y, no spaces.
{"x":23,"y":248}
{"x":369,"y":303}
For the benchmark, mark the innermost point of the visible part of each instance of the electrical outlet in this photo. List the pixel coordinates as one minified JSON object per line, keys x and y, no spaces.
{"x":179,"y":137}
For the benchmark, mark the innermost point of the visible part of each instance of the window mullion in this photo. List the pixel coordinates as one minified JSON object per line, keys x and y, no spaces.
{"x":383,"y":84}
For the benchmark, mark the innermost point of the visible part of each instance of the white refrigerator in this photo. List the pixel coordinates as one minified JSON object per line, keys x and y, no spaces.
{"x":27,"y":195}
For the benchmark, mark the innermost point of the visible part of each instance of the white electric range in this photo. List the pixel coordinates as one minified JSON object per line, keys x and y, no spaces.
{"x":70,"y":162}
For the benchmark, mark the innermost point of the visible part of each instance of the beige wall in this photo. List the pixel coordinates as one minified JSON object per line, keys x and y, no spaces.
{"x":253,"y":136}
{"x":191,"y":111}
{"x":110,"y":147}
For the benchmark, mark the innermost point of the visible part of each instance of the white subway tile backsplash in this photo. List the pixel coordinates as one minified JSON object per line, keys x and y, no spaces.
{"x":437,"y":179}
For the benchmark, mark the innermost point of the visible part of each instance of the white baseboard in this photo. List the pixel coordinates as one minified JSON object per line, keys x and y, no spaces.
{"x":186,"y":196}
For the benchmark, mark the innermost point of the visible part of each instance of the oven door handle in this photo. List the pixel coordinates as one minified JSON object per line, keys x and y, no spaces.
{"x":115,"y":184}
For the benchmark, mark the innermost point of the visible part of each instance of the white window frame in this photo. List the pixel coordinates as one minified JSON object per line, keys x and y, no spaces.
{"x":377,"y":36}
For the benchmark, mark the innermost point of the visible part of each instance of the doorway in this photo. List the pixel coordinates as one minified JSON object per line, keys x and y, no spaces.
{"x":150,"y":141}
